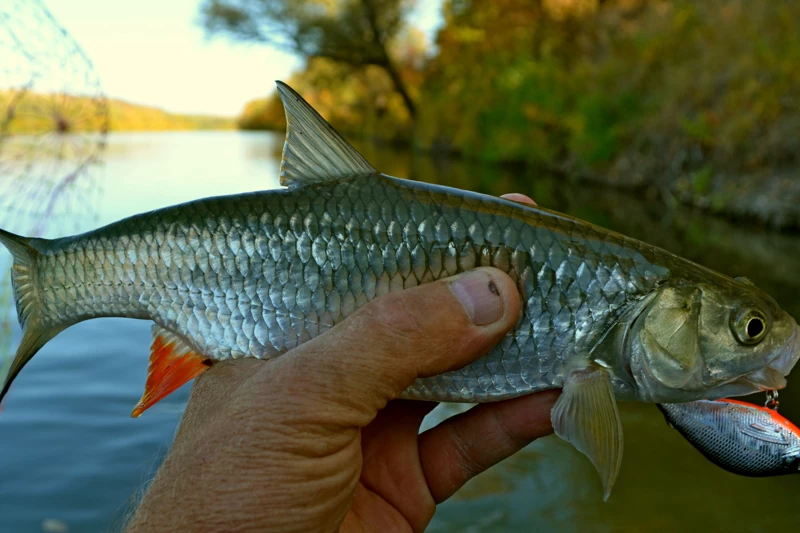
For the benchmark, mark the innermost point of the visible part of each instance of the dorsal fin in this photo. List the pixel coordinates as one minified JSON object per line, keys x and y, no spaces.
{"x":313,"y":151}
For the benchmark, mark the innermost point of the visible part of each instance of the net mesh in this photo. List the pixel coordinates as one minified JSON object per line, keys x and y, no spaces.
{"x":53,"y":128}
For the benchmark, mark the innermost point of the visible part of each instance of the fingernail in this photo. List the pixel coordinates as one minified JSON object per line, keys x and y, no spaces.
{"x":480,"y":297}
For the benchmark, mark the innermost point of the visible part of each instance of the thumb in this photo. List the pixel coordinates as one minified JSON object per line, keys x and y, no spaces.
{"x":376,"y":353}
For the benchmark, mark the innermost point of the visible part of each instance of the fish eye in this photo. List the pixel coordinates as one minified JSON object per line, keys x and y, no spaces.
{"x":749,"y":326}
{"x":755,"y":326}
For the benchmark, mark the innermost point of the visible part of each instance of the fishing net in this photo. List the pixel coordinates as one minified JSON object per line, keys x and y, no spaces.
{"x":53,"y":126}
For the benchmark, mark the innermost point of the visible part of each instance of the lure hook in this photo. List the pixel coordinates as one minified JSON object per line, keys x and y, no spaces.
{"x":772,"y":400}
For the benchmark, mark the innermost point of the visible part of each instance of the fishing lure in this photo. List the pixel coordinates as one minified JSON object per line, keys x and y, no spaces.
{"x":740,"y":437}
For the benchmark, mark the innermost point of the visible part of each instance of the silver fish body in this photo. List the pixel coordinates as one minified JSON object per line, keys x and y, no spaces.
{"x":739,"y":437}
{"x":255,"y":275}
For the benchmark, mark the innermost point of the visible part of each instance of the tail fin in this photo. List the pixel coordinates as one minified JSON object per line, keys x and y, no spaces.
{"x":34,"y":336}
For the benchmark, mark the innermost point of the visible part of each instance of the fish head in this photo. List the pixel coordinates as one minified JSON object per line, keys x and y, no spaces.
{"x":710,"y":340}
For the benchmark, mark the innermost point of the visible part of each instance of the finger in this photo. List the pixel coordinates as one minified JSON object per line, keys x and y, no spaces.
{"x":517,"y":197}
{"x":391,"y":466}
{"x":465,"y":445}
{"x":375,"y":354}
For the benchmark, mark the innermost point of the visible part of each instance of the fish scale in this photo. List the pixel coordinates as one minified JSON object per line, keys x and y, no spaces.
{"x":256,"y":275}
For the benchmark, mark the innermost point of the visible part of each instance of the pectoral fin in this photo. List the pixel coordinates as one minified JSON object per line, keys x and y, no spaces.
{"x":586,"y":415}
{"x":172,"y":363}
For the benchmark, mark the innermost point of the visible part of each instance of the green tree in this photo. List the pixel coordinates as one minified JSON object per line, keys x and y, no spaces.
{"x":352,"y":32}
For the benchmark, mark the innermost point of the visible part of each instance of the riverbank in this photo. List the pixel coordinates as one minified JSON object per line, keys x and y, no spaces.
{"x":24,"y":112}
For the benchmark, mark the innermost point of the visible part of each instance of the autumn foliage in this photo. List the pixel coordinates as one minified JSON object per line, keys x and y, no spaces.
{"x":699,"y":100}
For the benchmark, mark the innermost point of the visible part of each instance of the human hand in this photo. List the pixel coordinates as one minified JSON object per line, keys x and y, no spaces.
{"x":315,"y":440}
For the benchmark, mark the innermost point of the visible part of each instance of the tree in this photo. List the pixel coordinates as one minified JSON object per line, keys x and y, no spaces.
{"x":351,"y":32}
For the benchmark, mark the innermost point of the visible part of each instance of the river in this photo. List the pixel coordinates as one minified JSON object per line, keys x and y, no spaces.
{"x":71,"y":456}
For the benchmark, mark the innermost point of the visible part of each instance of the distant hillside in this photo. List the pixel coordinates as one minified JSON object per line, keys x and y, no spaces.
{"x":125,"y":116}
{"x":22,"y":112}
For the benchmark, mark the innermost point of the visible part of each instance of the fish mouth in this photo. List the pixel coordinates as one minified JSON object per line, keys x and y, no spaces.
{"x":773,"y":376}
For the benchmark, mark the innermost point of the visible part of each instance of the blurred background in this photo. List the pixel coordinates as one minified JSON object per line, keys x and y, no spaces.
{"x":676,"y":122}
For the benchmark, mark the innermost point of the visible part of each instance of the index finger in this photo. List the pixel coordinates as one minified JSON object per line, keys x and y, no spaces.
{"x":465,"y":445}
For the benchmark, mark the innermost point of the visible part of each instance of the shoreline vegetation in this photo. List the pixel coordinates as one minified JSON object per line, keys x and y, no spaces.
{"x":124,"y":116}
{"x":38,"y":113}
{"x":695,"y":103}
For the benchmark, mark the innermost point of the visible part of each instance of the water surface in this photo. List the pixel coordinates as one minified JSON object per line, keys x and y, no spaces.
{"x":70,"y":452}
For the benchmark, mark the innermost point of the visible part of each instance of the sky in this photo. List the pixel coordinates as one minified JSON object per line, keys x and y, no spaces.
{"x":154,"y":52}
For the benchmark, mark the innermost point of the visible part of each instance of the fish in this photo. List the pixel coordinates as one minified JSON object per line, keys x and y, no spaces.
{"x":605,"y":317}
{"x":742,"y":438}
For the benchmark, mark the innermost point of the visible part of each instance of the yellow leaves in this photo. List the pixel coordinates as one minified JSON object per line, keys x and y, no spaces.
{"x":359,"y":102}
{"x":469,"y":35}
{"x":564,"y":9}
{"x":540,"y":115}
{"x":585,"y":82}
{"x":263,"y":114}
{"x":683,"y":17}
{"x":531,"y":111}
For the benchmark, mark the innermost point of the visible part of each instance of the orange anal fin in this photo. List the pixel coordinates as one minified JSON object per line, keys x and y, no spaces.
{"x":172,"y":363}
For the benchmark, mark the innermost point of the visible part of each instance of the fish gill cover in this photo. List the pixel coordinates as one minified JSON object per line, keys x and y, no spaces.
{"x":53,"y":126}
